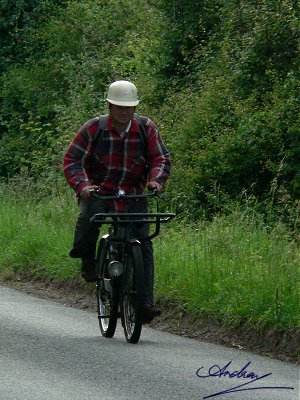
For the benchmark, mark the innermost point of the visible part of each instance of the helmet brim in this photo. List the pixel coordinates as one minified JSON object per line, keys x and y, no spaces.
{"x":123,"y":103}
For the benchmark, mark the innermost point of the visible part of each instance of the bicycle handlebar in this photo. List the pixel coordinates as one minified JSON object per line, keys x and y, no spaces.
{"x":121,"y":195}
{"x":131,"y":218}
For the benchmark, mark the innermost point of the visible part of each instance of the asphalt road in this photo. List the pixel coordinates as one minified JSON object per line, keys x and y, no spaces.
{"x":52,"y":352}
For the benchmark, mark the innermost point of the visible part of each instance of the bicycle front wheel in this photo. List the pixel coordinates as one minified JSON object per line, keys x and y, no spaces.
{"x":133,"y":294}
{"x":107,"y":295}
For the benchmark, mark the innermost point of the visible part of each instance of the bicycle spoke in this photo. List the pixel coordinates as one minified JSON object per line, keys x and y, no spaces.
{"x":132,"y":297}
{"x":107,"y":301}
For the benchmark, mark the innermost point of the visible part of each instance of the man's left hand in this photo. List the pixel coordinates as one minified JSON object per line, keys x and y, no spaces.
{"x":155,"y":186}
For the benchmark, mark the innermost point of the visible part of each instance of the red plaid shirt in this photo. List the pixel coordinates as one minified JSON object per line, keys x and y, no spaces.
{"x":116,"y":161}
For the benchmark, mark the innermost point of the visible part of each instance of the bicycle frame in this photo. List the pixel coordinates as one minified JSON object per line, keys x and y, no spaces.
{"x":120,"y":266}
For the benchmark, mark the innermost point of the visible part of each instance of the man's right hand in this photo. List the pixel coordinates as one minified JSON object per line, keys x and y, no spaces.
{"x":86,"y":191}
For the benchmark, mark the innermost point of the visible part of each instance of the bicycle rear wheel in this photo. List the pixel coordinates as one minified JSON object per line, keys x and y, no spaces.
{"x":107,"y":294}
{"x":133,"y":294}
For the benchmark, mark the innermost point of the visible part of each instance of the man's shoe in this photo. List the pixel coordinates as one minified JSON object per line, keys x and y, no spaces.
{"x":88,"y":270}
{"x":149,"y":313}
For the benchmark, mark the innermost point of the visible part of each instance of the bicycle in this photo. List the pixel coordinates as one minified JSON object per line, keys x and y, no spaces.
{"x":120,"y":267}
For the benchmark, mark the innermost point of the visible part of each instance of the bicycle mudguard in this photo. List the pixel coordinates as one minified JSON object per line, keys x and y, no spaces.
{"x":135,"y":242}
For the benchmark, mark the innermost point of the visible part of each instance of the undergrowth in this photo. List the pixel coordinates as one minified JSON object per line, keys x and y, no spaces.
{"x":234,"y":268}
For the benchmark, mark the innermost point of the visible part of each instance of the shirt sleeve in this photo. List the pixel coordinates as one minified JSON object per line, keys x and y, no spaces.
{"x":158,"y":156}
{"x":77,"y":154}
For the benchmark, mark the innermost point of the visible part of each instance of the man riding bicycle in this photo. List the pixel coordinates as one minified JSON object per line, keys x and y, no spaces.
{"x":119,"y":151}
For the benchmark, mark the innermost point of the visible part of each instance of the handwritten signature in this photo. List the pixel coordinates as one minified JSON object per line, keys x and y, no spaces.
{"x":216,"y":371}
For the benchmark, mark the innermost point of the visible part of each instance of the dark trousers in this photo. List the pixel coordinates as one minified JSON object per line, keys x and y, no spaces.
{"x":86,"y":236}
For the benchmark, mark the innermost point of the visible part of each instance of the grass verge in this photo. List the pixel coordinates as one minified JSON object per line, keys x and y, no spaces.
{"x":234,"y":269}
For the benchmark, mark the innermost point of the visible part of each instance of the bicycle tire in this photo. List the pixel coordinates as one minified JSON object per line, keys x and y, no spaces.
{"x":107,"y":300}
{"x":132,"y":295}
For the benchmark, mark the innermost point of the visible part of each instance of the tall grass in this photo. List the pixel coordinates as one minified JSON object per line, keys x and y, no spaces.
{"x":35,"y":237}
{"x":234,"y":268}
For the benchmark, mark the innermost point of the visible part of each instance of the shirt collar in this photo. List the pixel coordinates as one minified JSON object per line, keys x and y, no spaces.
{"x":133,"y":126}
{"x":128,"y":127}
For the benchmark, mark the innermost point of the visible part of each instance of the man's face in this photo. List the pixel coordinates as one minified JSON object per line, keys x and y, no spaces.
{"x":121,"y":115}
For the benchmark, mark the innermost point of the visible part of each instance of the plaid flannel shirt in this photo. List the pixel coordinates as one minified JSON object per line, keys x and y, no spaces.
{"x":116,"y":161}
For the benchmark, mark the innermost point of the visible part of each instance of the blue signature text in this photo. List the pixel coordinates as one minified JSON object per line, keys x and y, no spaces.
{"x":215,"y":371}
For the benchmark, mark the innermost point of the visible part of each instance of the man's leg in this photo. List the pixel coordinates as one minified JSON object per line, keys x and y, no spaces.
{"x":150,"y":311}
{"x":142,"y":231}
{"x":86,"y":235}
{"x":147,"y":251}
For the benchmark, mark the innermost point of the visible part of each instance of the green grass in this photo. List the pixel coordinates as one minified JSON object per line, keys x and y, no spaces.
{"x":235,"y":268}
{"x":35,"y":238}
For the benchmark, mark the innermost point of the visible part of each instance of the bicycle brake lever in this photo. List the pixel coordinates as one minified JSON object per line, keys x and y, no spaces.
{"x":156,"y":192}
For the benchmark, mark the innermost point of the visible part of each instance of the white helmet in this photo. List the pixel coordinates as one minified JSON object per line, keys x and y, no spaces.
{"x":122,"y":93}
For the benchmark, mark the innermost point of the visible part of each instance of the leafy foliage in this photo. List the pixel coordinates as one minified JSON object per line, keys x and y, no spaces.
{"x":219,"y":77}
{"x":239,"y":132}
{"x":18,"y":21}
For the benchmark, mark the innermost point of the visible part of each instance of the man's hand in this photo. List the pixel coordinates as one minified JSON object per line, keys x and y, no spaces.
{"x":86,"y":192}
{"x":154,"y":186}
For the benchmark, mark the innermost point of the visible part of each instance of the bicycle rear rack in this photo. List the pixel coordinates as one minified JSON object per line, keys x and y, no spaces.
{"x":134,"y":218}
{"x":125,"y":218}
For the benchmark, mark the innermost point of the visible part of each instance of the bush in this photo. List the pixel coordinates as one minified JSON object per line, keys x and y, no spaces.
{"x":218,"y":77}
